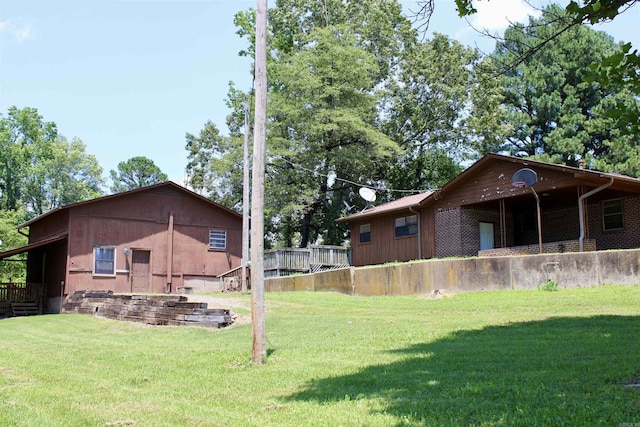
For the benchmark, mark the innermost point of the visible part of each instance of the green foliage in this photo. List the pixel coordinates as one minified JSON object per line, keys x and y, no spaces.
{"x":40,"y":168}
{"x":11,"y":239}
{"x":424,"y":111}
{"x":481,"y":358}
{"x":328,"y":65}
{"x":135,"y":173}
{"x":549,"y":286}
{"x":547,"y":100}
{"x":325,"y":115}
{"x":214,"y":165}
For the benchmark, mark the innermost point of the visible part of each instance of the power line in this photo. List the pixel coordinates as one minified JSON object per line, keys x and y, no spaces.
{"x":390,"y":190}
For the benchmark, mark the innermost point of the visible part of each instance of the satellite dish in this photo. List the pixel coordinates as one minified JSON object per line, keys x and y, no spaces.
{"x":368,"y":194}
{"x":524,"y":178}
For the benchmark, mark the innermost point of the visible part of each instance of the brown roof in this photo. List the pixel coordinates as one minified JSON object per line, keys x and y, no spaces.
{"x":30,"y":246}
{"x":137,"y":190}
{"x":588,"y":176}
{"x":400,"y":204}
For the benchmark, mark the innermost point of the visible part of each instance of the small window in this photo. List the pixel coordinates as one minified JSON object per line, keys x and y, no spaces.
{"x":217,"y":239}
{"x":407,"y":226}
{"x":612,"y":216}
{"x":104,"y":260}
{"x":365,"y":233}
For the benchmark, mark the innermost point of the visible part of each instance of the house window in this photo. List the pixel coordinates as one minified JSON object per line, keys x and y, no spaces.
{"x":104,"y":260}
{"x":365,"y":233}
{"x":612,"y":216}
{"x":217,"y":239}
{"x":407,"y":226}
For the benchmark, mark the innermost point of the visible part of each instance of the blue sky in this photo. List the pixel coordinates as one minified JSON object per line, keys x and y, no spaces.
{"x":130,"y":78}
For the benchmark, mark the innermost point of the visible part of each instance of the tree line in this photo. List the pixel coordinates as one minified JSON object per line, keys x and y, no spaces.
{"x":41,"y":170}
{"x":358,"y":98}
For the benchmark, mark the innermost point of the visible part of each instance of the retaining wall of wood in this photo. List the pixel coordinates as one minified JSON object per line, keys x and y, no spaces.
{"x":173,"y":310}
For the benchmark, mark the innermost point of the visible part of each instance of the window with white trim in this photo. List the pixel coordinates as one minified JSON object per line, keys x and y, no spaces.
{"x":217,"y":239}
{"x":104,"y":260}
{"x":365,"y":233}
{"x":407,"y":226}
{"x":612,"y":215}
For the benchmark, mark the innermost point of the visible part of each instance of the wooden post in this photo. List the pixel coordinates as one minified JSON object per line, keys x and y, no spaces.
{"x":257,"y":188}
{"x":170,"y":252}
{"x":245,"y":198}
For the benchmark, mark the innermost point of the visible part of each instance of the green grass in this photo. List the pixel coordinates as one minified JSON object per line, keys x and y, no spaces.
{"x":486,"y":359}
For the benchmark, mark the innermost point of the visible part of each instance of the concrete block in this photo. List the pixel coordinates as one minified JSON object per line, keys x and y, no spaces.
{"x":338,"y":280}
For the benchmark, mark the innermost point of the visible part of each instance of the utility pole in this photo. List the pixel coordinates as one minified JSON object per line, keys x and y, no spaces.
{"x":257,"y":188}
{"x":245,"y":196}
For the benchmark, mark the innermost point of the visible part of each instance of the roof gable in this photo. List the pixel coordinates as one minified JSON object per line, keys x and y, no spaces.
{"x":169,"y":185}
{"x":511,"y":164}
{"x":573,"y":175}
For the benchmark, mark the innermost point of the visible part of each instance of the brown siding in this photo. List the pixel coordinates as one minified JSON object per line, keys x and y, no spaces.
{"x":55,"y":224}
{"x":384,"y":246}
{"x":493,"y":182}
{"x":141,"y":221}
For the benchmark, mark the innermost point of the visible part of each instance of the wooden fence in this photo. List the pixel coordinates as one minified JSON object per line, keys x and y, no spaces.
{"x":288,"y":261}
{"x":12,"y":294}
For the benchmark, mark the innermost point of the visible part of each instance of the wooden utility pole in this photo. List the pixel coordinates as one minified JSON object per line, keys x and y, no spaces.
{"x":245,"y":197}
{"x":257,"y":188}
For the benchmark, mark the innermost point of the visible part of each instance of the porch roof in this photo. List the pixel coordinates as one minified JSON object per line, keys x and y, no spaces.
{"x":31,"y":246}
{"x":400,"y":204}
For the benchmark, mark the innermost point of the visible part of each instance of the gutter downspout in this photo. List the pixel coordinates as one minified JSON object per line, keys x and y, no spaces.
{"x":419,"y":232}
{"x":22,"y":232}
{"x":581,"y":209}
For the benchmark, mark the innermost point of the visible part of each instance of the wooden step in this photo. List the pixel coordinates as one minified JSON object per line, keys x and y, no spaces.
{"x":25,"y":308}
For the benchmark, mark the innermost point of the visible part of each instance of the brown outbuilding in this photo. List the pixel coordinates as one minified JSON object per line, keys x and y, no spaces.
{"x":162,"y":239}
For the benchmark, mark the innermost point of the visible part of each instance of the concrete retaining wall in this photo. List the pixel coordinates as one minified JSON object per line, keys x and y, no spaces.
{"x":569,"y":270}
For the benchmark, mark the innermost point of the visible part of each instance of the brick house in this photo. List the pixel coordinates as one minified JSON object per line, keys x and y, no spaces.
{"x":152,"y":239}
{"x":480,"y":212}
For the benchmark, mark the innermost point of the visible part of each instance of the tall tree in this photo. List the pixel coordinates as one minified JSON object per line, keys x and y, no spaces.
{"x":23,"y":133}
{"x":135,"y":173}
{"x":324,"y":128}
{"x":557,"y":112}
{"x":329,"y":62}
{"x":214,"y":165}
{"x":425,"y":110}
{"x":61,"y":173}
{"x":40,"y":168}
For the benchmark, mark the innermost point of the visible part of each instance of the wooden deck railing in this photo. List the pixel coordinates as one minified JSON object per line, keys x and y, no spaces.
{"x":19,"y":293}
{"x":288,"y":261}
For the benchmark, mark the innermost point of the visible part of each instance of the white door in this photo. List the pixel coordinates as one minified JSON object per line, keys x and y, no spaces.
{"x":486,"y":235}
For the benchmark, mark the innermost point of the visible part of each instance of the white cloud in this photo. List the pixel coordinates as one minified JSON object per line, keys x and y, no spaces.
{"x":19,"y":32}
{"x":496,"y":15}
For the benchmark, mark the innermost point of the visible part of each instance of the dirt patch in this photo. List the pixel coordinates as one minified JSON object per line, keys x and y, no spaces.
{"x":436,"y":294}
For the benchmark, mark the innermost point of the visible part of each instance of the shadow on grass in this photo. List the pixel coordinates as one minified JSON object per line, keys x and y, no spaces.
{"x":561,"y":371}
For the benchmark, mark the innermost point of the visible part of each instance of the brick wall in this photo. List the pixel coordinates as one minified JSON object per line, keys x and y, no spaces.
{"x":448,"y":232}
{"x":560,"y":224}
{"x":553,"y":247}
{"x":457,"y":230}
{"x":626,"y":238}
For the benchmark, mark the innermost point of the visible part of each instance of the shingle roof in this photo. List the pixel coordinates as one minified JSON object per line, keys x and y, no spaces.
{"x":400,"y":204}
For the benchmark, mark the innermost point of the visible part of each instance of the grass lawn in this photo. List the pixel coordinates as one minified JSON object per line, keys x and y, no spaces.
{"x":505,"y":358}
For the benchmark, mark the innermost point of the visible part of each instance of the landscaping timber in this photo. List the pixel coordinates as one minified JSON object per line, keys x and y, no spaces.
{"x":174,"y":310}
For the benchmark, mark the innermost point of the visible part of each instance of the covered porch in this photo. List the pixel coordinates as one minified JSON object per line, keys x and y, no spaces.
{"x":22,"y":299}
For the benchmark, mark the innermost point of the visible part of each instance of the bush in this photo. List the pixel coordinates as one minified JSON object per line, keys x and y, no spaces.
{"x":549,"y":286}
